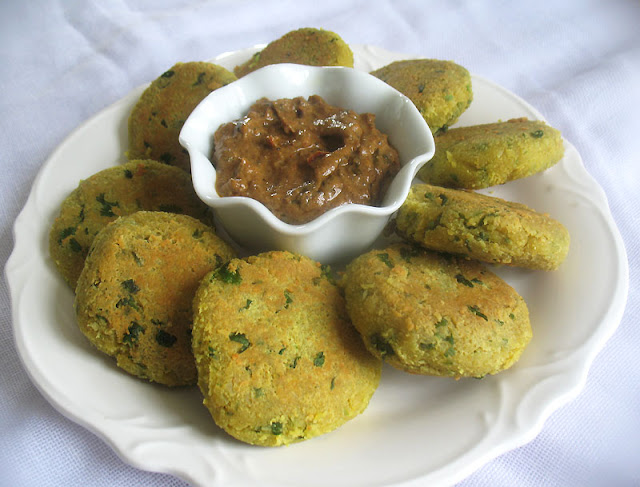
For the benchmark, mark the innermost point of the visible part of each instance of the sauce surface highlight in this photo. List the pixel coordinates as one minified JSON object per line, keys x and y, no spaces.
{"x":301,"y":157}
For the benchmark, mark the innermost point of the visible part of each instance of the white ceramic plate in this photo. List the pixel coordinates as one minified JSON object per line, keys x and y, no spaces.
{"x":417,"y":430}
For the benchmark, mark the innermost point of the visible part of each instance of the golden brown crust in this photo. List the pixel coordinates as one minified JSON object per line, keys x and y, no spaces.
{"x":158,"y":116}
{"x":480,"y":156}
{"x":441,"y":90}
{"x":278,"y":360}
{"x":310,"y":46}
{"x":113,"y":192}
{"x":482,"y":227}
{"x":134,"y":296}
{"x":428,"y":313}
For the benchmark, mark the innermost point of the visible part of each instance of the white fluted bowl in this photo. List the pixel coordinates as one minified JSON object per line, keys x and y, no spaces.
{"x":341,"y":232}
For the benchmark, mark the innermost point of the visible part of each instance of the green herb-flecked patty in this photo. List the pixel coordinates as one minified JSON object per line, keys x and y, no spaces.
{"x":158,"y":116}
{"x":482,"y":227}
{"x":433,"y":314}
{"x":135,"y":293}
{"x":479,"y":156}
{"x":278,"y":359}
{"x":313,"y":47}
{"x":113,"y":192}
{"x":441,"y":90}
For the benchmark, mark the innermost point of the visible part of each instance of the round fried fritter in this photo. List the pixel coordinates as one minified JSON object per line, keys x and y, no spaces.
{"x":482,"y":227}
{"x":134,"y":295}
{"x":113,"y":192}
{"x":278,"y":359}
{"x":441,"y":90}
{"x":479,"y":156}
{"x":158,"y":116}
{"x":313,"y":47}
{"x":435,"y":314}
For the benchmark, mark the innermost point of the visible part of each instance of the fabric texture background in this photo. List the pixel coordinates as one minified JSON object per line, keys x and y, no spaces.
{"x":577,"y":62}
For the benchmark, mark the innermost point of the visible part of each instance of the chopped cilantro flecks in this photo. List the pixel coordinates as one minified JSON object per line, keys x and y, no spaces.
{"x":384,"y":257}
{"x":103,"y":319}
{"x":463,"y":280}
{"x":276,"y":428}
{"x":451,"y":351}
{"x":200,"y":80}
{"x":327,"y":273}
{"x":224,"y":274}
{"x":427,"y":346}
{"x":246,"y":306}
{"x":469,"y":283}
{"x":333,"y":383}
{"x":432,"y":225}
{"x":66,"y":232}
{"x":211,"y":352}
{"x":130,"y":286}
{"x":442,"y":322}
{"x":134,"y":331}
{"x":407,"y":253}
{"x":294,"y":364}
{"x":128,"y":301}
{"x":137,"y":259}
{"x":128,"y":174}
{"x":106,"y":208}
{"x":443,"y":199}
{"x":167,"y":74}
{"x":198,"y":233}
{"x":537,"y":134}
{"x":241,"y":339}
{"x":74,"y":245}
{"x":318,"y":361}
{"x":381,"y":344}
{"x":288,"y":299}
{"x":165,"y":339}
{"x":476,"y":311}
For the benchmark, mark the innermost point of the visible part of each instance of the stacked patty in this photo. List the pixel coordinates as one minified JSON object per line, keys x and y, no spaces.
{"x":135,"y":292}
{"x":111,"y":193}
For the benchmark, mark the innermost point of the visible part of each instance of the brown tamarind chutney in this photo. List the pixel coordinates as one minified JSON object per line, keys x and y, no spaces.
{"x":301,"y":157}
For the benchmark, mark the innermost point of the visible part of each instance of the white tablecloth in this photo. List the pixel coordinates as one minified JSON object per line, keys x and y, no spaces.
{"x":577,"y":62}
